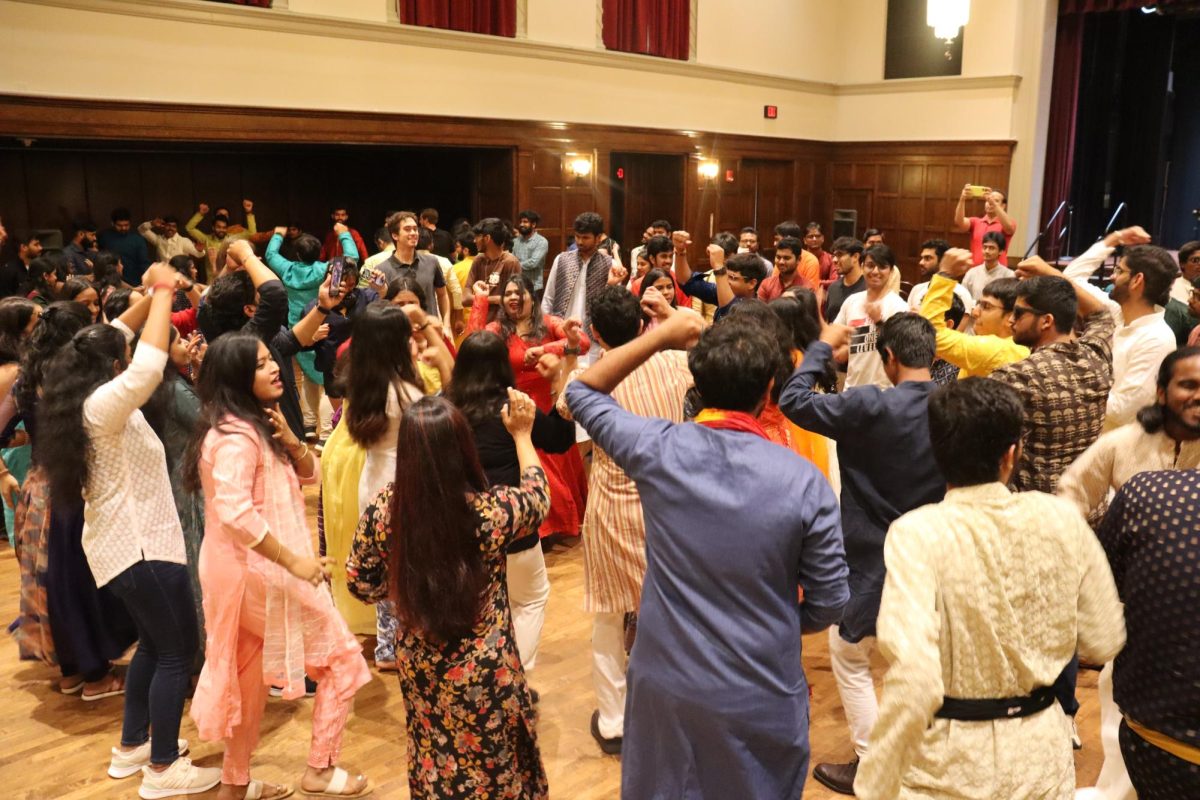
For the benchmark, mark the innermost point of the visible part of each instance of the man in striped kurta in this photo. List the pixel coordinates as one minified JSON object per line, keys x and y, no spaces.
{"x":614,"y":534}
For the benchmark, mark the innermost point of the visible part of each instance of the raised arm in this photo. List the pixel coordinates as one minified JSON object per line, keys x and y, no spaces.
{"x":716,"y":259}
{"x":683,"y":271}
{"x":826,"y":414}
{"x":960,"y":212}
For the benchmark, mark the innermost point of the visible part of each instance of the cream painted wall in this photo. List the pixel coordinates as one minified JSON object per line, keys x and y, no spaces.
{"x":566,"y":22}
{"x":366,"y":10}
{"x":790,"y":38}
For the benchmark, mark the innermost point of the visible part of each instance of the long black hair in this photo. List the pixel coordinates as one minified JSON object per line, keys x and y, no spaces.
{"x":226,"y":388}
{"x":40,"y":271}
{"x":106,"y":271}
{"x":15,"y":313}
{"x":379,"y":359}
{"x":437,"y":573}
{"x":482,"y":374}
{"x":508,"y":325}
{"x":797,"y":308}
{"x":91,"y":359}
{"x":58,"y":323}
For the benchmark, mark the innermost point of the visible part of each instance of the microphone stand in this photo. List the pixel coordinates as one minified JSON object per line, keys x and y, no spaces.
{"x":1103,"y":279}
{"x":1049,"y":225}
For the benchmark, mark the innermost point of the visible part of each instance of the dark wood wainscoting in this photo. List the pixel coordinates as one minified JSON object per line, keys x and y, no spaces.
{"x":501,"y":166}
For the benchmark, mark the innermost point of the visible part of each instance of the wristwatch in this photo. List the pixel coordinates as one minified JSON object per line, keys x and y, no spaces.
{"x":719,"y":271}
{"x":570,"y":351}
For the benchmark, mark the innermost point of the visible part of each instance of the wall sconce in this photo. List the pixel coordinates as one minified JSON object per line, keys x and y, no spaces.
{"x":580,"y":167}
{"x":709,"y":170}
{"x":946,"y":17}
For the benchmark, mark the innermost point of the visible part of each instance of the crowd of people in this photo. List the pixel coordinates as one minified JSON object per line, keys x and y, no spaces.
{"x":990,"y":478}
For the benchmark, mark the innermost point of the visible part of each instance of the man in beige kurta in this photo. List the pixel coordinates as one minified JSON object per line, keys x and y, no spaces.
{"x":614,"y":533}
{"x":988,"y":595}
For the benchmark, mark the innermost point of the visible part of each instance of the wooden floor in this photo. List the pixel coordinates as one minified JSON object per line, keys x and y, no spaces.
{"x":56,"y":746}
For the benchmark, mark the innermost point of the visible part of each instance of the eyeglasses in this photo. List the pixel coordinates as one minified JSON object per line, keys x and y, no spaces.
{"x":1019,"y":312}
{"x":872,"y":266}
{"x":987,"y":305}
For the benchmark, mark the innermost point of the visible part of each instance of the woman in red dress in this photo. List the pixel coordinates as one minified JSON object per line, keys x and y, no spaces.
{"x":530,"y":335}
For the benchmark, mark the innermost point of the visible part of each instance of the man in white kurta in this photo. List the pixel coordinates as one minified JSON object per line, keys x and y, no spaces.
{"x":988,"y":596}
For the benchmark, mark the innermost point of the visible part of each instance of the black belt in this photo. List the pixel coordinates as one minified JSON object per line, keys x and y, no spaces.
{"x":1005,"y":708}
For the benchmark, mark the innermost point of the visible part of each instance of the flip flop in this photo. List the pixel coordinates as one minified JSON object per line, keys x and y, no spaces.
{"x":337,"y":786}
{"x":255,"y":789}
{"x":116,"y":686}
{"x":74,"y":689}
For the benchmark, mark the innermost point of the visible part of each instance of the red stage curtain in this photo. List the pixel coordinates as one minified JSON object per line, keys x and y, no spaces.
{"x":492,"y":17}
{"x":1060,"y":141}
{"x":650,"y":27}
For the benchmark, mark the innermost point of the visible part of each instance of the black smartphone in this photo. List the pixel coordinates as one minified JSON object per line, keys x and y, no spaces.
{"x":337,"y":266}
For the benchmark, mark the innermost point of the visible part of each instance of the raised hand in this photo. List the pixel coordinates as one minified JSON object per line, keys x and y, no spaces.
{"x":239,"y":253}
{"x":518,"y":414}
{"x":617,"y":275}
{"x":203,"y":209}
{"x":716,"y":255}
{"x":680,"y":240}
{"x":655,"y":305}
{"x":339,"y":228}
{"x":681,"y":330}
{"x":572,"y":329}
{"x":1035,"y":266}
{"x":955,"y":263}
{"x":481,"y":288}
{"x":159,"y":273}
{"x":248,"y":206}
{"x":836,"y":336}
{"x":281,"y":230}
{"x":283,"y":434}
{"x":548,"y":366}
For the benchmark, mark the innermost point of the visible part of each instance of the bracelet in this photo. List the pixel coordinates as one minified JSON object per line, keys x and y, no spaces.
{"x":322,"y":310}
{"x":420,"y":328}
{"x":168,"y":286}
{"x":303,"y":455}
{"x":718,"y":271}
{"x":570,"y":351}
{"x":278,"y":551}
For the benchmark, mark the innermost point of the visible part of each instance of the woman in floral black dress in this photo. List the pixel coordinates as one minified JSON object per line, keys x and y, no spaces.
{"x":470,"y":718}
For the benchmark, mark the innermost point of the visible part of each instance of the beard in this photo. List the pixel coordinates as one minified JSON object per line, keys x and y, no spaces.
{"x":525,"y":230}
{"x":1172,"y":418}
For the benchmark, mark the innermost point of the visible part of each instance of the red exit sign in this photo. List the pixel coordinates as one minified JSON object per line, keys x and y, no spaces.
{"x":771,"y":112}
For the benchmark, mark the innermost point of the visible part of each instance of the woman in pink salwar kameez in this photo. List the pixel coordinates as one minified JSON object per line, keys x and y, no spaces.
{"x":270,"y":618}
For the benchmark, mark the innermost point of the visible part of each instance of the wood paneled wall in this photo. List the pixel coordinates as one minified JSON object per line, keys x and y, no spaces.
{"x":907,"y":189}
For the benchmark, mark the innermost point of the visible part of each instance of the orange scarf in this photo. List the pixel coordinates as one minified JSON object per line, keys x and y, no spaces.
{"x":722,"y":420}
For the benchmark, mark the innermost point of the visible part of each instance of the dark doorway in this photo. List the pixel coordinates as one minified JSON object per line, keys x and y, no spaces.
{"x":51,"y":182}
{"x":645,"y":187}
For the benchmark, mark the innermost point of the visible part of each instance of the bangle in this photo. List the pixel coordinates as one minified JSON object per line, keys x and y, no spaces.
{"x":302,"y":455}
{"x":168,"y":286}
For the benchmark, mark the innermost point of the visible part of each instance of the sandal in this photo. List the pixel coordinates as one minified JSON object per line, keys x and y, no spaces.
{"x":115,"y":686}
{"x":74,"y":688}
{"x":255,"y":790}
{"x":337,"y":786}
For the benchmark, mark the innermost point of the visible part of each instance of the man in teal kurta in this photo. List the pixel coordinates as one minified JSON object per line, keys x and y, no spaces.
{"x":302,"y":279}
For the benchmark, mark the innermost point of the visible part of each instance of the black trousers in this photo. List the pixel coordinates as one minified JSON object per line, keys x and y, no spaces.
{"x":1156,"y":774}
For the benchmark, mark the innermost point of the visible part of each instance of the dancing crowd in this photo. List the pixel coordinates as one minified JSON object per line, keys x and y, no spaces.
{"x":990,"y":478}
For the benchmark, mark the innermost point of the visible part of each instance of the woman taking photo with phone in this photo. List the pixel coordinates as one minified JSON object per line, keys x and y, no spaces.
{"x":270,"y":618}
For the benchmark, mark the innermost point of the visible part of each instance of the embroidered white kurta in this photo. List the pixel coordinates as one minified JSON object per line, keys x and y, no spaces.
{"x":988,"y":595}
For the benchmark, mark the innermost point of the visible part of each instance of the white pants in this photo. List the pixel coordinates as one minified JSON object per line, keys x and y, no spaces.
{"x":608,"y":672}
{"x":310,"y":402}
{"x":528,"y":591}
{"x":1113,"y":783}
{"x":852,"y":670}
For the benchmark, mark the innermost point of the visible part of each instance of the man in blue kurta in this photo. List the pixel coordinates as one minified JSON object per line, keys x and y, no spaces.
{"x":888,"y":469}
{"x":717,"y":703}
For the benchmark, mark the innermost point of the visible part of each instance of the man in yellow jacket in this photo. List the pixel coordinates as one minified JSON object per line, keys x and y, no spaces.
{"x":991,"y":346}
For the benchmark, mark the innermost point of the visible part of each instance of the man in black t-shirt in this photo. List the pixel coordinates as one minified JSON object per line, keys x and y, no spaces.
{"x":848,"y":253}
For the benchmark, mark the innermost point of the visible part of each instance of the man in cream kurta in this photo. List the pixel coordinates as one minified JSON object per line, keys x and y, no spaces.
{"x":988,"y":596}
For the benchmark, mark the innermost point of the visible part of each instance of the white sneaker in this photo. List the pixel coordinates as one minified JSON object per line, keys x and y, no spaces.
{"x":123,"y":765}
{"x":182,"y":777}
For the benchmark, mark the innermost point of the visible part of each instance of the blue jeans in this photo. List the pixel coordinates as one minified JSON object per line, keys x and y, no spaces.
{"x":158,"y":595}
